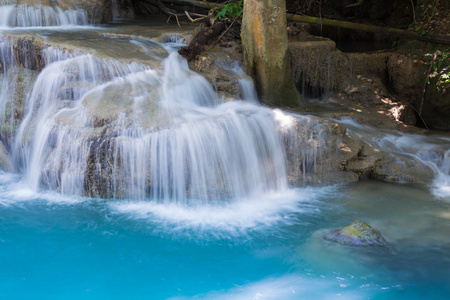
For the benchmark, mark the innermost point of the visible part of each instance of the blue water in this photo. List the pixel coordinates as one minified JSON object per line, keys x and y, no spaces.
{"x":60,"y":247}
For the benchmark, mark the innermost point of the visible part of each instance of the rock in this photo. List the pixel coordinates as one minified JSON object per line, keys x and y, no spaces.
{"x":436,"y":107}
{"x":5,"y":160}
{"x":317,"y":65}
{"x":408,"y":116}
{"x":225,"y":80}
{"x":400,"y":67}
{"x":357,"y":234}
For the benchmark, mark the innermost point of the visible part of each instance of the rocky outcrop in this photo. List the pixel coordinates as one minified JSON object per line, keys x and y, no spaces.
{"x":357,"y":234}
{"x":321,"y":151}
{"x":374,"y":79}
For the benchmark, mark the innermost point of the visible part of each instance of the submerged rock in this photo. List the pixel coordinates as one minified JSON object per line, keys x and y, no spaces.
{"x":357,"y":234}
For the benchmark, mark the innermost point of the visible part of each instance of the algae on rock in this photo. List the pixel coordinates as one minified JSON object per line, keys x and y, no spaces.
{"x":357,"y":234}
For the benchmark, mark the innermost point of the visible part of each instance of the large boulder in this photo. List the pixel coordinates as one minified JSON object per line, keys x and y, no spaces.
{"x":357,"y":234}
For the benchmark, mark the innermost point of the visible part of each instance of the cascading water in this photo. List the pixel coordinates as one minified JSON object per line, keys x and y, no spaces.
{"x":431,"y":151}
{"x":13,"y":15}
{"x":205,"y":184}
{"x":42,"y":147}
{"x":203,"y":149}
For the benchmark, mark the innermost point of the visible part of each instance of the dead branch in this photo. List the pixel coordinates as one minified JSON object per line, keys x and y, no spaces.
{"x":200,"y":40}
{"x":202,"y":17}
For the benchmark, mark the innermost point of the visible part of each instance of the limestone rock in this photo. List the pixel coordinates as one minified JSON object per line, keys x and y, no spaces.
{"x":5,"y":160}
{"x":357,"y":234}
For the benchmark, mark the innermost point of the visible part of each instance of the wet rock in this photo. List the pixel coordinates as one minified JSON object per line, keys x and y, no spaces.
{"x":216,"y":68}
{"x":321,"y":152}
{"x":357,"y":234}
{"x":365,"y":161}
{"x":5,"y":160}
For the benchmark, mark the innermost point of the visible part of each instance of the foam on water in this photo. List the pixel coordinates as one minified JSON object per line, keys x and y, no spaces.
{"x":14,"y":191}
{"x":285,"y":287}
{"x":227,"y":219}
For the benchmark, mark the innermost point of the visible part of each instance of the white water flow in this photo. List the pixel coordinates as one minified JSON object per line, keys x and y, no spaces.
{"x":6,"y":10}
{"x":432,"y":151}
{"x":98,"y":127}
{"x":13,"y":15}
{"x":52,"y":141}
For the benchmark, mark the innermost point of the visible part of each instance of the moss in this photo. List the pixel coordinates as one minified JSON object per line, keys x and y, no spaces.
{"x":357,"y":234}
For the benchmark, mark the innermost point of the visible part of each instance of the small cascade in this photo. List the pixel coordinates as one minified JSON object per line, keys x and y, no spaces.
{"x":173,"y":139}
{"x":55,"y":120}
{"x":16,"y":80}
{"x":104,"y":127}
{"x":315,"y":66}
{"x":431,"y":151}
{"x":6,"y":10}
{"x":12,"y":15}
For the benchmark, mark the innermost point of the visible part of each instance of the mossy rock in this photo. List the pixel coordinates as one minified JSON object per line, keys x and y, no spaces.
{"x":357,"y":234}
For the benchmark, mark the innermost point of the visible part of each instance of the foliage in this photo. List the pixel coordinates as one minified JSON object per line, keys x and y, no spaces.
{"x":431,"y":16}
{"x":230,"y":10}
{"x":441,"y":69}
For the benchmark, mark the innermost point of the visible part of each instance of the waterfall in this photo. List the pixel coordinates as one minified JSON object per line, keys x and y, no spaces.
{"x":12,"y":15}
{"x":88,"y":124}
{"x":50,"y":145}
{"x":6,"y":10}
{"x":172,"y":139}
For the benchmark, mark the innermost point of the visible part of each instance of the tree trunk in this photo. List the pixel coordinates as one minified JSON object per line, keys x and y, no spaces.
{"x":266,"y":56}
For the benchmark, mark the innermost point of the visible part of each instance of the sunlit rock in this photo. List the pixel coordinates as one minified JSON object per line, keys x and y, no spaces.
{"x":357,"y":234}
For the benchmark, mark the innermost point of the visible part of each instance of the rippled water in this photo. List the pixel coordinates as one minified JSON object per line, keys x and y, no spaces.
{"x":270,"y":247}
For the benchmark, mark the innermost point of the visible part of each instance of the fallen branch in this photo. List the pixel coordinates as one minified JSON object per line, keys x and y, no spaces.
{"x":158,"y":4}
{"x":200,"y":40}
{"x":433,"y":38}
{"x":176,"y":17}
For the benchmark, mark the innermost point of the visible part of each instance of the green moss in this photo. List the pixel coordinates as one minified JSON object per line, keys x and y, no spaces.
{"x":357,"y":234}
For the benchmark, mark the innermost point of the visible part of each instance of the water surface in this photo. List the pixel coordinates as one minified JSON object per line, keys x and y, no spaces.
{"x":270,"y":247}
